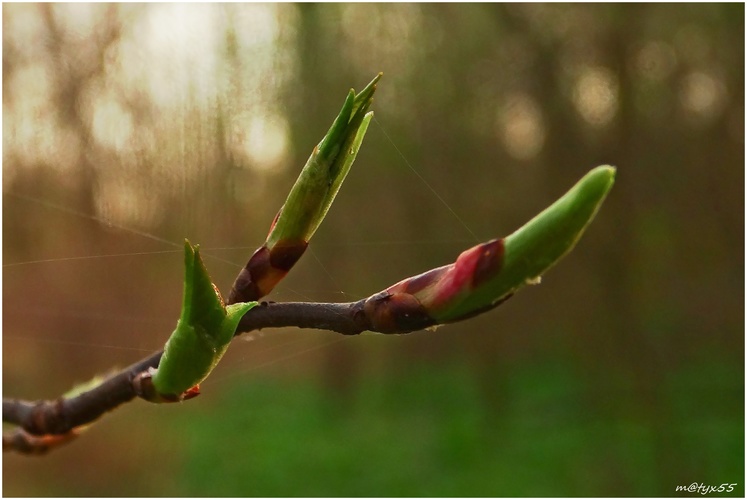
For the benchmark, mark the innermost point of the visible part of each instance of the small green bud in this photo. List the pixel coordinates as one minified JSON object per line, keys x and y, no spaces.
{"x":202,"y":335}
{"x":309,"y":199}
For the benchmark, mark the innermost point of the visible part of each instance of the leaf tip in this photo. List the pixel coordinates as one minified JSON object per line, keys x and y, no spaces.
{"x":605,"y":172}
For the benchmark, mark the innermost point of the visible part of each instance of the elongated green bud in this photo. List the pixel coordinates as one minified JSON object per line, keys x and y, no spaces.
{"x":202,"y":335}
{"x":309,"y":199}
{"x":489,"y":273}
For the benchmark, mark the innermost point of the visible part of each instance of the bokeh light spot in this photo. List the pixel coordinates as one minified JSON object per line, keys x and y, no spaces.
{"x":596,"y":95}
{"x":521,"y":127}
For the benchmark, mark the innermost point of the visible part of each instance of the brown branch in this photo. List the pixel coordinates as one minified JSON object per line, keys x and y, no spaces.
{"x":342,"y":318}
{"x":449,"y":293}
{"x":472,"y":285}
{"x":60,"y":417}
{"x":21,"y":441}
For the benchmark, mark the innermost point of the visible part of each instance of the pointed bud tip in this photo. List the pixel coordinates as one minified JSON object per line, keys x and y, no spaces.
{"x":607,"y":172}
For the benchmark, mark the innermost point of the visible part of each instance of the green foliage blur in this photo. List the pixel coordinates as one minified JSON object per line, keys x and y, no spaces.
{"x":127,"y":128}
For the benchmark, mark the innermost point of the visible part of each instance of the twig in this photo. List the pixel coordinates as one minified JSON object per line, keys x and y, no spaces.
{"x":61,"y":416}
{"x":480,"y":279}
{"x":22,"y":442}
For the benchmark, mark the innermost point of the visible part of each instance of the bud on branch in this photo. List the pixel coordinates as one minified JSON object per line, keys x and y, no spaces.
{"x":308,"y":201}
{"x":203,"y":332}
{"x":481,"y":278}
{"x":489,"y":273}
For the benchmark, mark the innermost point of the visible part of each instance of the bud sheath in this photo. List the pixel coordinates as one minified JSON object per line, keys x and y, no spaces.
{"x":487,"y":274}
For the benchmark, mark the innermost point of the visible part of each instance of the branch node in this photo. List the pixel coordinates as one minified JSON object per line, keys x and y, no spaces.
{"x":142,"y":386}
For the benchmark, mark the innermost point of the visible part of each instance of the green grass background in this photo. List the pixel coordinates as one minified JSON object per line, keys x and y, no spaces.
{"x":425,"y":431}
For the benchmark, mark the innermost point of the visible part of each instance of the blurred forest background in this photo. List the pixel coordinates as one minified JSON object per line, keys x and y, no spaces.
{"x":127,"y":128}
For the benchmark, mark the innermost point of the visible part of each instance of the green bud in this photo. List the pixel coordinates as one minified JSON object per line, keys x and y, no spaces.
{"x":489,"y":273}
{"x":202,"y":334}
{"x":533,"y":249}
{"x":326,"y":169}
{"x":309,"y":199}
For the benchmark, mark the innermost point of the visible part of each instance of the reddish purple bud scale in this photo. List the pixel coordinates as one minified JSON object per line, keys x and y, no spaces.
{"x":396,"y":313}
{"x":409,"y":305}
{"x":473,"y":266}
{"x":422,"y":281}
{"x":286,"y":253}
{"x":264,"y":270}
